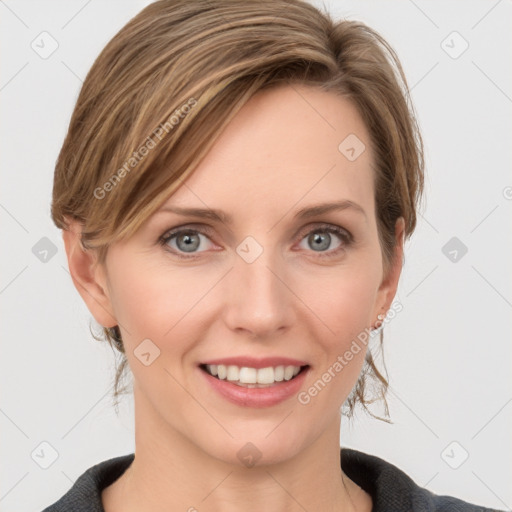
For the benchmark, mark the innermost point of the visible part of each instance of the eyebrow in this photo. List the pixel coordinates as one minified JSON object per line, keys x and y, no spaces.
{"x":303,"y":213}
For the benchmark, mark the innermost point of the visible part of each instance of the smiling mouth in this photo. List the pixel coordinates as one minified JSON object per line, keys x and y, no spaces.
{"x":253,"y":377}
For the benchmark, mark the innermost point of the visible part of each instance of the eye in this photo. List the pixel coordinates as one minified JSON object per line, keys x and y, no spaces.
{"x":184,"y":240}
{"x":320,"y":239}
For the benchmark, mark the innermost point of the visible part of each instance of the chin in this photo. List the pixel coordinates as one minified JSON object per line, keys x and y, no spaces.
{"x":256,"y":447}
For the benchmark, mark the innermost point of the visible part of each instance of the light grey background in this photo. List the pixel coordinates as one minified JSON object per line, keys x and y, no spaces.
{"x":448,"y":353}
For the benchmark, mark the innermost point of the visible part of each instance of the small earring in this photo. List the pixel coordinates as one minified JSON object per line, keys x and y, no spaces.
{"x":380,"y":318}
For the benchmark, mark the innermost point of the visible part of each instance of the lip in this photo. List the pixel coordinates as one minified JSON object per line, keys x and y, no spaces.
{"x":256,"y":397}
{"x":253,"y":362}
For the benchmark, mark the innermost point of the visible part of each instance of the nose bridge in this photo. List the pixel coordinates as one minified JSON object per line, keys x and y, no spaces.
{"x":258,"y":297}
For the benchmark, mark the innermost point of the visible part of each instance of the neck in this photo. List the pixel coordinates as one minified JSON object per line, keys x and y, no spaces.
{"x":171,"y":473}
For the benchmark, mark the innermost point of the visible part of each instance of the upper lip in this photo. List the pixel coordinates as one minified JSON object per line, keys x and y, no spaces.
{"x":252,"y":362}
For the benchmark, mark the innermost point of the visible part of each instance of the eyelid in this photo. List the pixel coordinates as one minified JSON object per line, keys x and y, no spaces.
{"x":328,"y":227}
{"x":192,"y":227}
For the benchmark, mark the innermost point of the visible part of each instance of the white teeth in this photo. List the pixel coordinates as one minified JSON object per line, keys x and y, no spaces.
{"x":288,"y":372}
{"x":246,"y":375}
{"x":233,"y":373}
{"x":221,"y":371}
{"x":279,"y":373}
{"x":265,"y":376}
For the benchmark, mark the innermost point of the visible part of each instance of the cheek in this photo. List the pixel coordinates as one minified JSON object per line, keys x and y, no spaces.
{"x":145,"y":301}
{"x":154,"y":303}
{"x":343,"y":298}
{"x":345,"y":304}
{"x":162,"y":303}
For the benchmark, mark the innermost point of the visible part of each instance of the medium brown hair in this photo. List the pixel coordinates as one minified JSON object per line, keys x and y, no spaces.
{"x":161,"y":91}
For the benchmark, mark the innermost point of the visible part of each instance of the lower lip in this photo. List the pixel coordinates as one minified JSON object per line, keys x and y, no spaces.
{"x":256,"y":397}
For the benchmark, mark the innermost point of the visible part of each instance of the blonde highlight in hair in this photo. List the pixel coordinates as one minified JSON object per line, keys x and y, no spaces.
{"x":198,"y":63}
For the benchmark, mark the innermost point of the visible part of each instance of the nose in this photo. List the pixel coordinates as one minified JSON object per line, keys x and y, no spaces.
{"x":258,"y":299}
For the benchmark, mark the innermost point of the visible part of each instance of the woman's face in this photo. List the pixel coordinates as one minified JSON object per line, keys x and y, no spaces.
{"x":266,"y":287}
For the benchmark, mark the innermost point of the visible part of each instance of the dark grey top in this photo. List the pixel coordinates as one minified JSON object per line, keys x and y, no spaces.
{"x":390,"y":488}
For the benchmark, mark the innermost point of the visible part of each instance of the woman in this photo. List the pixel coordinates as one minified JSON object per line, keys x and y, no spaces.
{"x":234,"y":191}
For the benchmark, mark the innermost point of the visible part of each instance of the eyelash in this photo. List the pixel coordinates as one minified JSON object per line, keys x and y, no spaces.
{"x":344,"y":235}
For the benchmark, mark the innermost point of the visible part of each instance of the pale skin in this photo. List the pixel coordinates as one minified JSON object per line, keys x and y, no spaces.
{"x":278,"y":155}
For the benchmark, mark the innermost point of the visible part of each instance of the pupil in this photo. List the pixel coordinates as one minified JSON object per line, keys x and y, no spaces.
{"x":318,"y":239}
{"x":189,"y":243}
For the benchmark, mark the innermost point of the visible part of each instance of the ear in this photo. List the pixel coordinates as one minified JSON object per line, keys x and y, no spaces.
{"x":388,"y":287}
{"x":88,"y":276}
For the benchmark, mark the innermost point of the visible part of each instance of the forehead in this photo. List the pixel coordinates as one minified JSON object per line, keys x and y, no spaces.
{"x":292,"y":145}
